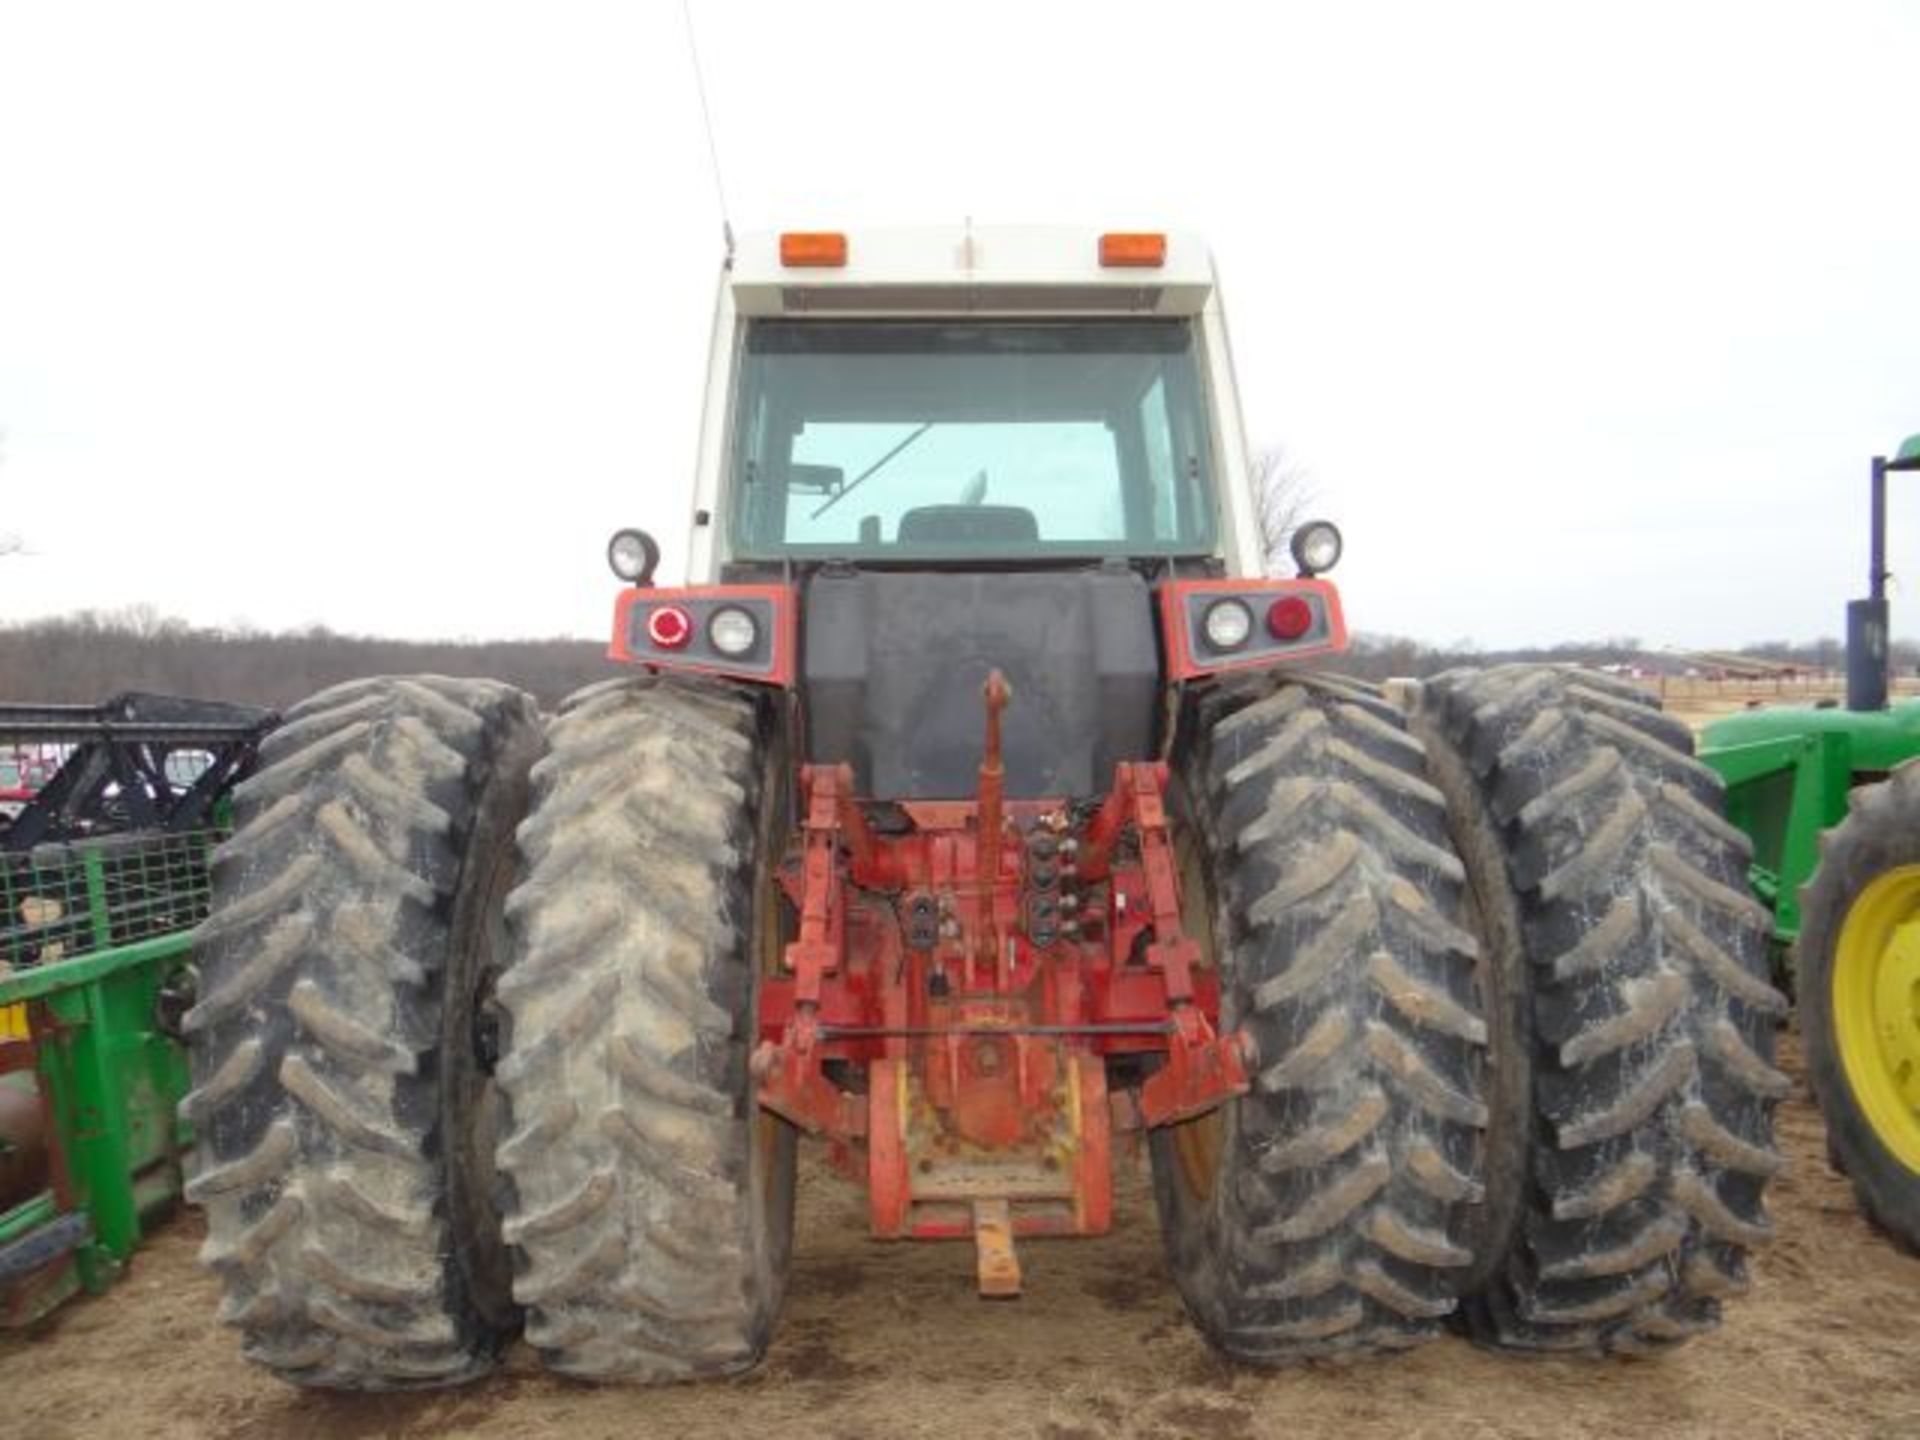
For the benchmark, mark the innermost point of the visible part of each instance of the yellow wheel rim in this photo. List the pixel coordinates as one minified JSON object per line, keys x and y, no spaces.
{"x":1876,"y":1008}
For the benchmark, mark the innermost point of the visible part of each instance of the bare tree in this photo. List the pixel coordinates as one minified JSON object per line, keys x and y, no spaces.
{"x":1281,"y":493}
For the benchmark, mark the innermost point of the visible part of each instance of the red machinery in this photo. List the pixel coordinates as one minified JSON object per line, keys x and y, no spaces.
{"x":984,"y":962}
{"x":983,"y":967}
{"x":23,"y":774}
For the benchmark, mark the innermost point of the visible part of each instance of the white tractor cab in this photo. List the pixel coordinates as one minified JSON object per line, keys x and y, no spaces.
{"x":1081,"y":379}
{"x":954,"y":449}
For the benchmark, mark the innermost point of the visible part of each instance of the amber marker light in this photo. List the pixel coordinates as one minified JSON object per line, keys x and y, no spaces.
{"x":1132,"y":249}
{"x":813,"y":249}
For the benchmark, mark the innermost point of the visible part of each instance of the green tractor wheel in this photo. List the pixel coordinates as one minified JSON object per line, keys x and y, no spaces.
{"x":1859,"y":962}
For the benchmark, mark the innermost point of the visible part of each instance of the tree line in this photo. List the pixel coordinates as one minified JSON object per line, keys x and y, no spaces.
{"x":91,"y":656}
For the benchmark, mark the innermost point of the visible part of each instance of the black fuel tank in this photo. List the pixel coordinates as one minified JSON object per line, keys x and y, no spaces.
{"x":893,"y":664}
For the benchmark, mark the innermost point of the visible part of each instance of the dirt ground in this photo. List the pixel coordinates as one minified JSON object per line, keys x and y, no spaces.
{"x":888,"y":1340}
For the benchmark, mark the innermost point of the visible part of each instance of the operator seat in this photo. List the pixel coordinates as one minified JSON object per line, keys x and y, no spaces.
{"x":969,"y":525}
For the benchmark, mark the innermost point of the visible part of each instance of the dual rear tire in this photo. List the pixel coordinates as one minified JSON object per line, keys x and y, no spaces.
{"x":1507,"y":999}
{"x":648,"y":1199}
{"x":1627,"y":965}
{"x":1328,"y":1210}
{"x":1514,"y":1029}
{"x":383,"y":1212}
{"x":340,"y":1111}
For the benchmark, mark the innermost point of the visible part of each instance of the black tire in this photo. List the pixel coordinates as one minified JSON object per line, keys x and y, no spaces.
{"x":1880,"y":834}
{"x":1325,"y":1212}
{"x":650,"y":1204}
{"x":1640,"y":1015}
{"x":337,"y":1092}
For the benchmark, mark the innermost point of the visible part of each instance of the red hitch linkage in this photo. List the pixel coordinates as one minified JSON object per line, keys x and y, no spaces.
{"x":983,"y":998}
{"x":989,"y":833}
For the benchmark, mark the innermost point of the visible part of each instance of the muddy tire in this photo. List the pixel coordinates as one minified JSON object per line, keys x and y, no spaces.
{"x":1861,"y":1040}
{"x":1326,"y":1212}
{"x":1637,"y":1107}
{"x":337,"y":1095}
{"x":650,"y":1201}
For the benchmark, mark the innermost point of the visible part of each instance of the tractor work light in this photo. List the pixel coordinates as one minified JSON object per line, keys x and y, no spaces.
{"x":732,"y":631}
{"x":1228,"y":624}
{"x":633,"y":556}
{"x":1316,"y":548}
{"x":669,"y":626}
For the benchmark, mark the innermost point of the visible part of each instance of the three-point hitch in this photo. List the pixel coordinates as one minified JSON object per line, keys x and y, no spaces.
{"x":985,"y":963}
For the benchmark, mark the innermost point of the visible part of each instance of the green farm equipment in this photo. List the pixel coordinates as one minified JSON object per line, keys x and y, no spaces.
{"x":103,"y":876}
{"x":1789,"y":769}
{"x":1831,"y":800}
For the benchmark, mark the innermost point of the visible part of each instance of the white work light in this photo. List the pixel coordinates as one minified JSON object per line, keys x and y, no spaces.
{"x":732,"y":631}
{"x":1316,"y":547}
{"x":633,"y":555}
{"x":1228,"y":624}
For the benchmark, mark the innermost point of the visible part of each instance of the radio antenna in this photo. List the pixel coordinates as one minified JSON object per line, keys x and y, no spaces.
{"x":706,"y":116}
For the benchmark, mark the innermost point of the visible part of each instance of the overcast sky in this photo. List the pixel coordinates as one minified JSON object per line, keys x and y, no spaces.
{"x":1586,"y":320}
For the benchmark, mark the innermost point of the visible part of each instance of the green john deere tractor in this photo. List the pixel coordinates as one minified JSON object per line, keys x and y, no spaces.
{"x":1831,"y":800}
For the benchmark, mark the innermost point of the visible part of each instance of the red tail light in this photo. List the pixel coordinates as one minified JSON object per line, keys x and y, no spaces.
{"x":669,"y":627}
{"x":1289,"y":617}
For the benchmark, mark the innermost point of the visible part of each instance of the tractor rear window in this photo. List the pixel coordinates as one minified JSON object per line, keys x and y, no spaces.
{"x":916,"y":440}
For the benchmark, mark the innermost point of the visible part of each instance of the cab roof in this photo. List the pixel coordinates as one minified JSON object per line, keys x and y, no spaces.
{"x":968,"y":270}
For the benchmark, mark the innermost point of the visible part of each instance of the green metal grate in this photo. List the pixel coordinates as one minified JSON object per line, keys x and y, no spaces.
{"x":58,"y":902}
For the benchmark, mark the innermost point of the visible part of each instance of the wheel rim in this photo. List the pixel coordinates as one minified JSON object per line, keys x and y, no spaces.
{"x":1876,"y":1008}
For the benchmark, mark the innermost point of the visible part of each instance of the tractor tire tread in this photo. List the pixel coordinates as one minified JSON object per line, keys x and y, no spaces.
{"x":1330,"y":1229}
{"x":322,"y":1160}
{"x":628,"y":1036}
{"x":1648,"y":1022}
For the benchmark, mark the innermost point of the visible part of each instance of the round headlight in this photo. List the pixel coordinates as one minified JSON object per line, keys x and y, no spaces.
{"x":1228,"y":624}
{"x":731,"y":631}
{"x":633,"y":555}
{"x":1316,"y":547}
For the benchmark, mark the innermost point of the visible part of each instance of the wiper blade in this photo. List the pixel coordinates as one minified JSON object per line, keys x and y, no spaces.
{"x":870,"y":471}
